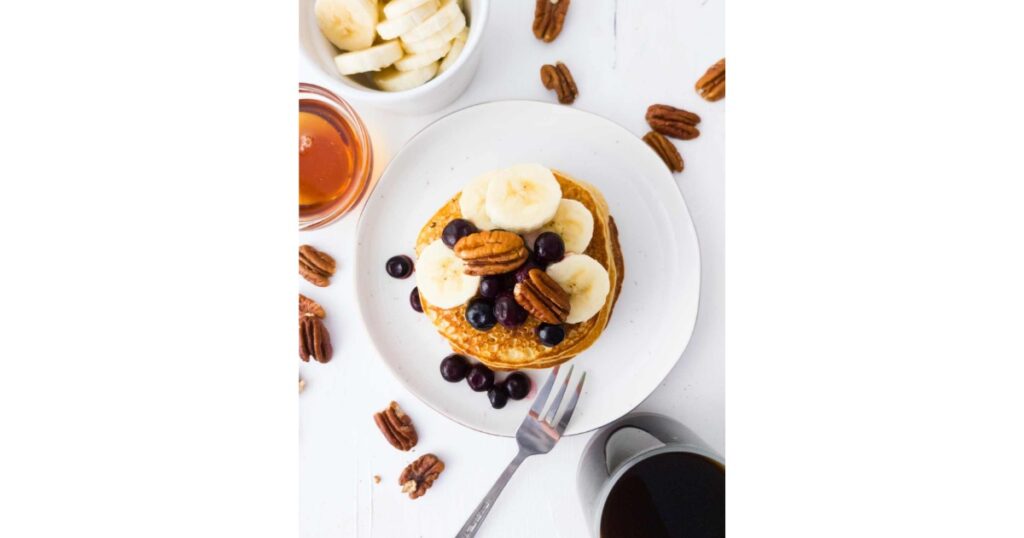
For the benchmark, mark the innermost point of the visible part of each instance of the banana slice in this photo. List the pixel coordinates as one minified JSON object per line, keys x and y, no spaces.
{"x":393,"y":80}
{"x":348,"y":24}
{"x":397,"y":8}
{"x":440,"y":277}
{"x":392,"y":28}
{"x":440,"y":20}
{"x":585,"y":280}
{"x":372,"y":59}
{"x":574,"y":224}
{"x":458,"y":44}
{"x":415,"y":61}
{"x":436,"y":39}
{"x":522,"y":198}
{"x":471,"y":201}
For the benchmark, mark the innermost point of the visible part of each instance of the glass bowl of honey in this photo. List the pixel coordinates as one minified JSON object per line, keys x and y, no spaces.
{"x":335,"y":157}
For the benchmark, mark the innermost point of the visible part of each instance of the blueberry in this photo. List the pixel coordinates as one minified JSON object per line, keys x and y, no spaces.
{"x":490,"y":286}
{"x":480,"y":314}
{"x":498,"y":396}
{"x":517,"y":384}
{"x":524,"y":269}
{"x":550,"y":335}
{"x":414,"y":300}
{"x":480,"y":378}
{"x":455,"y":230}
{"x":508,"y":312}
{"x":508,"y":281}
{"x":454,"y":368}
{"x":400,"y":266}
{"x":549,"y":248}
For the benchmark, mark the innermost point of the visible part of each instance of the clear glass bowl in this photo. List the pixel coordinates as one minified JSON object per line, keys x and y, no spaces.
{"x":362,"y":166}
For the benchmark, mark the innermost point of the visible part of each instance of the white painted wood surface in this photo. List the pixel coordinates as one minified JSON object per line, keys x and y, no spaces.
{"x":624,"y":55}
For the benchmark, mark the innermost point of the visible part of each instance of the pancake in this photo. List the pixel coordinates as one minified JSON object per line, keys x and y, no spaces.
{"x":502,"y":348}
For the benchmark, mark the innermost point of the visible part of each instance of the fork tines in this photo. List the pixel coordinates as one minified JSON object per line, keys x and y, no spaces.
{"x":542,"y":397}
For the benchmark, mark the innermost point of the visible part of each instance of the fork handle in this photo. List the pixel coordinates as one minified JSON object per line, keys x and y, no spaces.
{"x":477,"y":517}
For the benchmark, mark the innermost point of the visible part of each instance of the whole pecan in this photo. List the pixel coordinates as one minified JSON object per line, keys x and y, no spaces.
{"x":672,"y":121}
{"x":396,"y":426}
{"x":419,"y":475}
{"x":548,"y":19}
{"x":491,"y":252}
{"x":314,"y":340}
{"x":557,"y":77}
{"x":542,"y":297}
{"x":309,"y":307}
{"x":315,"y":266}
{"x":711,"y":86}
{"x":665,"y":150}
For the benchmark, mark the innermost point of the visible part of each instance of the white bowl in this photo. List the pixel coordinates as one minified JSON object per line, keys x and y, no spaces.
{"x":435,"y":94}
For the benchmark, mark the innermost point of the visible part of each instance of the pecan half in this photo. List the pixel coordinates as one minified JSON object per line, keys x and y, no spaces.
{"x":419,"y":475}
{"x":548,"y":19}
{"x":309,"y":307}
{"x":396,"y":426}
{"x":672,"y":121}
{"x":314,"y":340}
{"x":315,"y":266}
{"x":711,"y":86}
{"x":542,"y":297}
{"x":492,"y":252}
{"x":665,"y":150}
{"x":557,"y":77}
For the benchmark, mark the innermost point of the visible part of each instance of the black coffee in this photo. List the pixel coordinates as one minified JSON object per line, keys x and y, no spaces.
{"x":669,"y":495}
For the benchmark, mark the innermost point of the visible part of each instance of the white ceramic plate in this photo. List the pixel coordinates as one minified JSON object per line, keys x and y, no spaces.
{"x":656,"y":310}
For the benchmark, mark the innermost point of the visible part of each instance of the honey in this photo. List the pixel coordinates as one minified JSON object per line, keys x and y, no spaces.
{"x":331,"y":161}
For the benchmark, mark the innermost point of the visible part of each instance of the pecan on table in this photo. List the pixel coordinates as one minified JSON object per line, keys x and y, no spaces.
{"x":314,"y":340}
{"x":665,"y":150}
{"x":309,"y":307}
{"x":492,"y":252}
{"x":548,"y":19}
{"x":315,"y":266}
{"x":557,"y":77}
{"x":711,"y":86}
{"x":396,"y":426}
{"x":542,"y":297}
{"x":417,"y":478}
{"x":672,"y":121}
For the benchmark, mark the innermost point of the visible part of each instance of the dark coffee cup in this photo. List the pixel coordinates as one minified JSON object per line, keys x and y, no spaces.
{"x":646,"y":475}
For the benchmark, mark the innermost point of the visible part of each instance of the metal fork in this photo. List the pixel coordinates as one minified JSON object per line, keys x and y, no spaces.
{"x":535,"y":436}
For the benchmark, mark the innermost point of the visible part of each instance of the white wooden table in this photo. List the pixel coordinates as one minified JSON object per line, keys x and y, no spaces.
{"x":624,"y":57}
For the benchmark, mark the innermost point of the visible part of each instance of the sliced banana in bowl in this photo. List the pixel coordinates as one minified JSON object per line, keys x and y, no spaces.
{"x":446,"y":15}
{"x":393,"y":80}
{"x":420,"y":59}
{"x":372,"y":59}
{"x":413,"y":36}
{"x":394,"y":27}
{"x":458,"y":44}
{"x":347,"y":24}
{"x":397,"y":8}
{"x":435,"y":40}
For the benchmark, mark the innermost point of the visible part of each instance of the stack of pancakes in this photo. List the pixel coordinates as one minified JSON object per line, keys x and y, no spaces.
{"x":502,"y":348}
